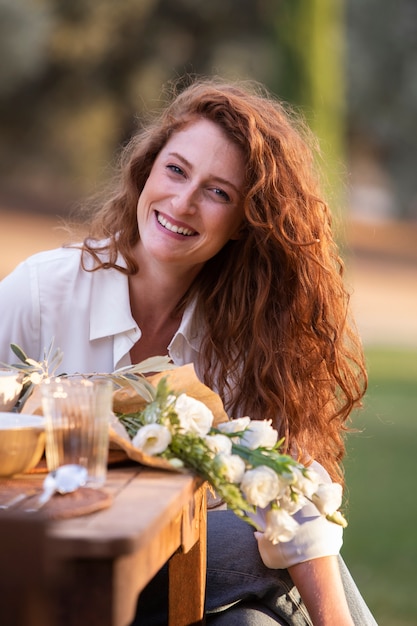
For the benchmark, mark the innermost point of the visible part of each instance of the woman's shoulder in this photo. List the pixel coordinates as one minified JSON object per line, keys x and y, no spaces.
{"x":70,"y":257}
{"x":68,"y":254}
{"x":45,"y":262}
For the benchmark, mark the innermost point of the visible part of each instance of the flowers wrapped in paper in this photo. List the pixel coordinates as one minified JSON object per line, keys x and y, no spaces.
{"x":129,"y":404}
{"x":170,"y":420}
{"x":240,"y":458}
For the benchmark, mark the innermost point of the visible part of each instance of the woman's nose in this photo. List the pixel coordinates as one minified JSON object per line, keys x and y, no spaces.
{"x":186,"y":199}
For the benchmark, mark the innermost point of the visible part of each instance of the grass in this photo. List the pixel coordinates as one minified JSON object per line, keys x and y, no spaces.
{"x":380,"y":545}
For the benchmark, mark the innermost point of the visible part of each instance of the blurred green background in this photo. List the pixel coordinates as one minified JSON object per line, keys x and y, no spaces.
{"x":77,"y":76}
{"x":380,"y":541}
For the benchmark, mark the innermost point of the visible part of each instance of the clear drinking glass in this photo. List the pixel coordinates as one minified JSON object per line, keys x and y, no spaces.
{"x":77,"y":413}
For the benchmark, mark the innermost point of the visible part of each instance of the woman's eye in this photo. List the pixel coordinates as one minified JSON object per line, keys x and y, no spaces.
{"x":175,"y":169}
{"x":222,"y":194}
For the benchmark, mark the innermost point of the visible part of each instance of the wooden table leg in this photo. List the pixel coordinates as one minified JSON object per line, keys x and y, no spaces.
{"x":26,"y":574}
{"x":187,"y":567}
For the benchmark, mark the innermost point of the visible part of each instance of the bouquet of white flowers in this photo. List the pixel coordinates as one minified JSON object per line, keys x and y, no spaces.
{"x":239,"y":458}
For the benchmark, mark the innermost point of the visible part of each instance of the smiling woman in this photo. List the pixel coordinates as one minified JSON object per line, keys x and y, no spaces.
{"x":190,"y":206}
{"x":214,"y":246}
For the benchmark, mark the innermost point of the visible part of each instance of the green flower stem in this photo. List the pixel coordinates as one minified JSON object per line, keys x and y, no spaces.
{"x":280,"y":463}
{"x":132,"y":423}
{"x":196,"y":455}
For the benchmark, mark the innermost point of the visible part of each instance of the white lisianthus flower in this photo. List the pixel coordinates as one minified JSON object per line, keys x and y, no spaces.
{"x":305,"y":482}
{"x":292,"y":502}
{"x":260,"y":486}
{"x":230,"y":466}
{"x":194,"y":416}
{"x":280,"y":526}
{"x":328,"y":498}
{"x":259,"y":434}
{"x":219,"y":443}
{"x":152,"y":439}
{"x":284,"y":480}
{"x":234,"y":426}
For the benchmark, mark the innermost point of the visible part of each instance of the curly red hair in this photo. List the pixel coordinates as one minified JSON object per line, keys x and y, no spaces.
{"x":279,"y":343}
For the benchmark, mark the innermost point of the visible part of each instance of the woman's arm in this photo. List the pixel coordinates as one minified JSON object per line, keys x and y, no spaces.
{"x":311,"y":559}
{"x":320,"y":586}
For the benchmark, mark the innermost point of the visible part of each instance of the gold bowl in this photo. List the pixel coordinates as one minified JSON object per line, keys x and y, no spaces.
{"x":22,"y":442}
{"x":10,"y":388}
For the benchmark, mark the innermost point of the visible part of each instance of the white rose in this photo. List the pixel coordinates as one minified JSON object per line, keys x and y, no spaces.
{"x":152,"y":439}
{"x":194,"y":416}
{"x":328,"y":498}
{"x":260,"y":486}
{"x":259,"y":434}
{"x":219,"y":443}
{"x":280,"y":526}
{"x":231,"y":467}
{"x":234,"y":426}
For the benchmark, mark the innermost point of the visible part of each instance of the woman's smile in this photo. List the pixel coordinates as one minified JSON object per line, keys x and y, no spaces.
{"x":168,"y":224}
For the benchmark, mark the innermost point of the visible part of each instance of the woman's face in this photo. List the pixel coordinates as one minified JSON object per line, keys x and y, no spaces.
{"x":192,"y":202}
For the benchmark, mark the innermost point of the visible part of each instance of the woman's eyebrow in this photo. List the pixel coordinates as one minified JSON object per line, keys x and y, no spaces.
{"x":219,"y":179}
{"x":181,"y":158}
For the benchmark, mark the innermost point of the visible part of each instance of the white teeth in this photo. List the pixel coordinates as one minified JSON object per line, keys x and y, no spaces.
{"x":175,"y":229}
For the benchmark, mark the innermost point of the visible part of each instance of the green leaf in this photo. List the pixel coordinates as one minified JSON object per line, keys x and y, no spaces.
{"x":19,"y":352}
{"x":139,"y":383}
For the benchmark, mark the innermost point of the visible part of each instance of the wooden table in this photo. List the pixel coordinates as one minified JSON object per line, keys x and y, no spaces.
{"x":108,"y":557}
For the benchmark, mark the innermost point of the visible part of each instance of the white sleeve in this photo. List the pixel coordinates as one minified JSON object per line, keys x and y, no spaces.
{"x":316,"y":537}
{"x":19,"y":312}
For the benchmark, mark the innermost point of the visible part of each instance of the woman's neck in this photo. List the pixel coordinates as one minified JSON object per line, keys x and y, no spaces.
{"x":155,"y":312}
{"x":154,"y":297}
{"x":157,"y":288}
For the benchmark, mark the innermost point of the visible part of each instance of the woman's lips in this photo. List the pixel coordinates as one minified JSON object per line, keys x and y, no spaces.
{"x":173,"y":228}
